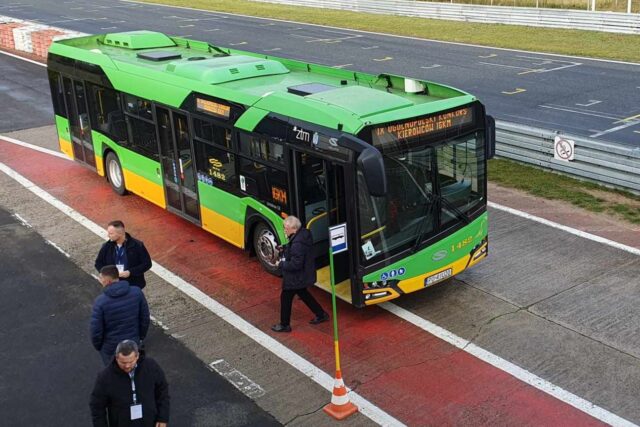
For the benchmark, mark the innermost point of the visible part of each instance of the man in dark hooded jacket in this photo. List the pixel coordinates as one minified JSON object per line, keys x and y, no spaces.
{"x":128,"y":254}
{"x":131,"y":391}
{"x":298,"y":273}
{"x":119,"y":313}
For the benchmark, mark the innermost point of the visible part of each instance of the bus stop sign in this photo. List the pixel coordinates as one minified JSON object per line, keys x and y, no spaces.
{"x":338,"y":238}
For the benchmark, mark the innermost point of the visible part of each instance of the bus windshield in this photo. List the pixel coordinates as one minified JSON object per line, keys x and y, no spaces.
{"x":430,"y":188}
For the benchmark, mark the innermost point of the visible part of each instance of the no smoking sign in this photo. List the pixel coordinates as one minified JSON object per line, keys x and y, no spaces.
{"x":563,"y":149}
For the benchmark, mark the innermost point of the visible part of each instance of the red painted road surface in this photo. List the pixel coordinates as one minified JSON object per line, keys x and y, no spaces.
{"x":412,"y":375}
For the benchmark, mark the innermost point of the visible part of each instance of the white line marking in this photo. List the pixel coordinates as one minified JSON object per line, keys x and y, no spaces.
{"x":389,"y":35}
{"x":614,"y":129}
{"x":305,"y":367}
{"x":590,"y":103}
{"x":58,"y":248}
{"x":22,"y":220}
{"x":569,"y":230}
{"x":23,"y":58}
{"x":579,"y":112}
{"x":237,"y":378}
{"x":34,"y":147}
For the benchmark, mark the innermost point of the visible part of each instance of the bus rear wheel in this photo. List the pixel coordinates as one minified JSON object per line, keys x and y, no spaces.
{"x":265,"y":245}
{"x":114,"y":174}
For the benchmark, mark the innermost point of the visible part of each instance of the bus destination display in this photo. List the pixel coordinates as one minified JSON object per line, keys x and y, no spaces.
{"x":422,"y":127}
{"x":214,"y":108}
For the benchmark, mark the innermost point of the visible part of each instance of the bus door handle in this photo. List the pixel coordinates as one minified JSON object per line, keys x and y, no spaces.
{"x":158,"y":171}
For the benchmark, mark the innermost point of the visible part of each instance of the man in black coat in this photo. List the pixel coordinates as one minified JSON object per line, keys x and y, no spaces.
{"x":120,"y":312}
{"x":125,"y":252}
{"x":298,"y":273}
{"x":130,"y":391}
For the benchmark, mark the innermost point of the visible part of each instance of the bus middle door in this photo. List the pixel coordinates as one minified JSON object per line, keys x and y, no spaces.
{"x":321,"y":204}
{"x":178,"y":169}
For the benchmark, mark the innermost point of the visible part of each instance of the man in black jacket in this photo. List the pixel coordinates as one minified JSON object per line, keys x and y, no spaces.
{"x":131,"y":391}
{"x":298,"y":273}
{"x":125,"y":252}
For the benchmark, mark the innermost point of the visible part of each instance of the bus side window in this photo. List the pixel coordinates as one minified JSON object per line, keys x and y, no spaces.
{"x":106,"y":113}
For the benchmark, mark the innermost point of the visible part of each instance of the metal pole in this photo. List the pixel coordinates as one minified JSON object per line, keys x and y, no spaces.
{"x":593,"y":5}
{"x":628,"y":6}
{"x":335,"y":312}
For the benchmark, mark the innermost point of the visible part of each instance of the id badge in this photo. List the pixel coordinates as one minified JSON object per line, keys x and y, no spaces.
{"x":120,"y":267}
{"x":136,"y":412}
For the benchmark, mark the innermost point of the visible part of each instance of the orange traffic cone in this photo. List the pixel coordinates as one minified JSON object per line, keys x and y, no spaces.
{"x":340,"y":407}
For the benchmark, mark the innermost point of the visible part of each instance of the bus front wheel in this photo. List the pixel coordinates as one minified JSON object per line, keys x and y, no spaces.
{"x":265,"y":245}
{"x":114,"y":174}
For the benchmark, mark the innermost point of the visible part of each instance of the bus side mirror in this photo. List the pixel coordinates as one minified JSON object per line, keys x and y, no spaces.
{"x":490,"y":137}
{"x":372,"y":166}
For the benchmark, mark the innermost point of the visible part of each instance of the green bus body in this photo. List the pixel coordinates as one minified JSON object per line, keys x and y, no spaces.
{"x":236,"y":141}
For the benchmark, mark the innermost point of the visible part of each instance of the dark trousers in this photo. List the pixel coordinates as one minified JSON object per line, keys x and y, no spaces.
{"x":286,"y":300}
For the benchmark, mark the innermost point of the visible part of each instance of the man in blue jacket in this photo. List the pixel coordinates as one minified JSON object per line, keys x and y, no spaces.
{"x":126,"y":253}
{"x":298,"y":273}
{"x":119,"y":313}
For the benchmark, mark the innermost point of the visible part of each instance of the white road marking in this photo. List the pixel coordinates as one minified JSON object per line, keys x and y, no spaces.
{"x":237,"y":378}
{"x":614,"y":129}
{"x":302,"y":365}
{"x":431,"y":66}
{"x":572,"y":110}
{"x":22,"y":220}
{"x":58,"y":248}
{"x":24,"y":59}
{"x":590,"y":103}
{"x":35,"y":147}
{"x":580,"y":233}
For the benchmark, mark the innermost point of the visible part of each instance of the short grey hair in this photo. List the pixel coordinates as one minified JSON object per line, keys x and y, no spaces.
{"x":127,"y":347}
{"x":293,"y":222}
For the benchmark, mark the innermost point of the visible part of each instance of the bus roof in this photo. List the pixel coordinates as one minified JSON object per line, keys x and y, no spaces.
{"x":167,"y":69}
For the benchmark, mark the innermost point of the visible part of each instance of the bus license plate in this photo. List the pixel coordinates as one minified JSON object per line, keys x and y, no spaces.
{"x":437,"y":277}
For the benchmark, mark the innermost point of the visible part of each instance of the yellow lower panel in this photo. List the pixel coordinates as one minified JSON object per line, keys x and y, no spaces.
{"x":65,"y":147}
{"x":222,"y":227}
{"x":99,"y":165}
{"x":144,"y":188}
{"x":343,"y":289}
{"x":417,"y":283}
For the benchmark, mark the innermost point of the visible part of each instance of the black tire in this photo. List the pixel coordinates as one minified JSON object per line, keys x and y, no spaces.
{"x":264,"y":245}
{"x":113,"y":170}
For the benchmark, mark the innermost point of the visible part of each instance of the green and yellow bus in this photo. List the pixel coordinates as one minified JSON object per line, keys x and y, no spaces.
{"x":236,"y":141}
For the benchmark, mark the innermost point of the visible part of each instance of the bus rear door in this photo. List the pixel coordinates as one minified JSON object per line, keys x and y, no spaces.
{"x":80,"y":129}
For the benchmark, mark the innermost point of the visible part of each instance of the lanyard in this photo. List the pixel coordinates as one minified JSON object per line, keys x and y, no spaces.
{"x":119,"y":254}
{"x":133,"y":386}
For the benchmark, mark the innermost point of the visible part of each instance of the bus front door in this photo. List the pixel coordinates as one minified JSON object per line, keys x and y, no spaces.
{"x":321,"y":204}
{"x":178,"y":170}
{"x":79,"y":127}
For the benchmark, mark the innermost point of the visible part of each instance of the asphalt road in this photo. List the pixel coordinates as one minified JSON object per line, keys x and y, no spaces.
{"x":575,"y":95}
{"x":47,"y":363}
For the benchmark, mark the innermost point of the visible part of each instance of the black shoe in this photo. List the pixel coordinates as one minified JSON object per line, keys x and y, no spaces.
{"x":281,"y":328}
{"x":319,"y":319}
